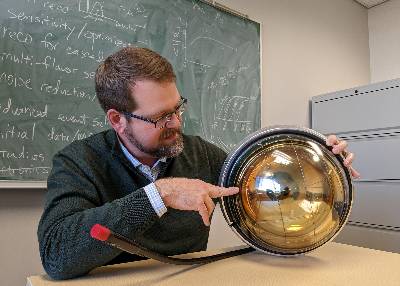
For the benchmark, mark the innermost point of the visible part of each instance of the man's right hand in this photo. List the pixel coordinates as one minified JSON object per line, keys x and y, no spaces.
{"x":192,"y":194}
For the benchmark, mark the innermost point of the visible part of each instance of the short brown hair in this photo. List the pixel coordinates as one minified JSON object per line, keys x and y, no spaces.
{"x":120,"y":71}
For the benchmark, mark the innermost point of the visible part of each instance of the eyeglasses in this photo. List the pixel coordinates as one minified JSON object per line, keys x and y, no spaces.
{"x":162,"y":121}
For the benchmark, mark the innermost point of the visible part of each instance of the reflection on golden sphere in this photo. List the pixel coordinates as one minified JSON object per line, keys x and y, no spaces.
{"x":295,"y":194}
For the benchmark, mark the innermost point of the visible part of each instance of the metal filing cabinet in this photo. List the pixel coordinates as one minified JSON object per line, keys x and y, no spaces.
{"x":368,"y":117}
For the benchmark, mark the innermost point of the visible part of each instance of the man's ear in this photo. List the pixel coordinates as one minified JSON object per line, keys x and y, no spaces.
{"x":117,"y":120}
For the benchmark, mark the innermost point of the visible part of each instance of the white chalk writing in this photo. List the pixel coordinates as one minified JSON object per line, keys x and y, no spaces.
{"x":8,"y":171}
{"x":45,"y":21}
{"x":15,"y":80}
{"x":21,"y":58}
{"x":13,"y":132}
{"x":73,"y":118}
{"x":22,"y":154}
{"x":28,"y":110}
{"x":20,"y":37}
{"x":83,"y":54}
{"x":59,"y":89}
{"x":56,"y":7}
{"x":56,"y":134}
{"x":47,"y":42}
{"x":50,"y":62}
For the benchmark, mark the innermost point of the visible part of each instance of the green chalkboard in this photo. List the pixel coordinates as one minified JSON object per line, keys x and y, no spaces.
{"x":49,"y":51}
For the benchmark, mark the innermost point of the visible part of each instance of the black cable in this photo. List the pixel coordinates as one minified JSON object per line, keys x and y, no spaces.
{"x":132,"y":247}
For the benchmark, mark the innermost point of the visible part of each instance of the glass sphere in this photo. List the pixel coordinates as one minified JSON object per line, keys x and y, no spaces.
{"x":295,"y":194}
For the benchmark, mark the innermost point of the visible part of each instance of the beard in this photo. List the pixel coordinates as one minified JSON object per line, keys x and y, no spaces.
{"x":162,"y":150}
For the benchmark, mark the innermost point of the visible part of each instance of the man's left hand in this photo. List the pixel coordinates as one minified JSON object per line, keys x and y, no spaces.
{"x":340,"y":147}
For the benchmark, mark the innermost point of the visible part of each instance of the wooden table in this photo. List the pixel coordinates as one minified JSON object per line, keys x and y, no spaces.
{"x":331,"y":264}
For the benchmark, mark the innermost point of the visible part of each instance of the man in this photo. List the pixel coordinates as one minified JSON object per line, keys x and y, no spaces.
{"x":143,"y":178}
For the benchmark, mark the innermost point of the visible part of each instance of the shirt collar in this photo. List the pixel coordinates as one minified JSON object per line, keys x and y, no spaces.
{"x":135,"y":162}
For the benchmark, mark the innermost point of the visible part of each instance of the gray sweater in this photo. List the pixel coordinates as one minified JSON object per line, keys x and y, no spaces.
{"x":93,"y":182}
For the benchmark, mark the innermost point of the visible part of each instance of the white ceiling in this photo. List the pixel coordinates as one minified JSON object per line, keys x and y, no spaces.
{"x":370,"y":3}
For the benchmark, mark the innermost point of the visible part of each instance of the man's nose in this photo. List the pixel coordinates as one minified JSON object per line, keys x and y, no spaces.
{"x":174,"y":122}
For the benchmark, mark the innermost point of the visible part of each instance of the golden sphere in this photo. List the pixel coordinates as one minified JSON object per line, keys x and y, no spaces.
{"x":295,"y":194}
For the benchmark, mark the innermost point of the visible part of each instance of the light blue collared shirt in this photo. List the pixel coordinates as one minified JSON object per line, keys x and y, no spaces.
{"x":151,"y":173}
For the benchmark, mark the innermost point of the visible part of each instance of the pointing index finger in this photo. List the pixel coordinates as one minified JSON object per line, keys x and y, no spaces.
{"x":217,"y":192}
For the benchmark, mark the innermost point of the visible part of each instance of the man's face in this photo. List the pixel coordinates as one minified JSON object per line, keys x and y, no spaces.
{"x":153,"y":101}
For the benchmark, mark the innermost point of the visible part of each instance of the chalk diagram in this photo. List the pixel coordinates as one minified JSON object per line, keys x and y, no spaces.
{"x":226,"y":89}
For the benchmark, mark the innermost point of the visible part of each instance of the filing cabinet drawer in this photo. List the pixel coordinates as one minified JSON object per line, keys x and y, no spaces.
{"x":376,"y":204}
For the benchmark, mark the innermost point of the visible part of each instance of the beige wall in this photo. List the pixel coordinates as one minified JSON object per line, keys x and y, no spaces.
{"x":384,"y":41}
{"x":309,"y":47}
{"x":20,"y":211}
